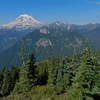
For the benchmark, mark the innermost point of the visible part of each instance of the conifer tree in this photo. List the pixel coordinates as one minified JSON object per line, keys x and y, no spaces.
{"x":1,"y":81}
{"x":42,"y":73}
{"x":75,"y":63}
{"x":60,"y":79}
{"x":14,"y":73}
{"x":53,"y":64}
{"x":96,"y":81}
{"x":86,"y":72}
{"x":6,"y":85}
{"x":27,"y":76}
{"x":72,"y":66}
{"x":23,"y":55}
{"x":67,"y":70}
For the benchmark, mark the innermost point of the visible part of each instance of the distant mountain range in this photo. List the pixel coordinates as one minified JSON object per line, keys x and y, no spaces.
{"x":43,"y":39}
{"x":42,"y":42}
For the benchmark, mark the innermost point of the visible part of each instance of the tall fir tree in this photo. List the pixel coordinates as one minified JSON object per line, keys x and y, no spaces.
{"x":1,"y":81}
{"x":6,"y":85}
{"x":96,"y":82}
{"x":42,"y":73}
{"x":52,"y":70}
{"x":86,"y":72}
{"x":67,"y":71}
{"x":23,"y":55}
{"x":27,"y":76}
{"x":60,"y":75}
{"x":14,"y":73}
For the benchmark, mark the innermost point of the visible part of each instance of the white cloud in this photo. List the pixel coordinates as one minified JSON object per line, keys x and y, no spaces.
{"x":94,"y":2}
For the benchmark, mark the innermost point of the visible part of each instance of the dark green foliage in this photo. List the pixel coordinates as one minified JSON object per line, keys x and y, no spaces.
{"x":96,"y":81}
{"x":27,"y":76}
{"x":1,"y":81}
{"x":6,"y":83}
{"x":75,"y":94}
{"x":14,"y":73}
{"x":85,"y":74}
{"x":53,"y":65}
{"x":88,"y":73}
{"x":42,"y":73}
{"x":23,"y":55}
{"x":60,"y":79}
{"x":77,"y":76}
{"x":67,"y":72}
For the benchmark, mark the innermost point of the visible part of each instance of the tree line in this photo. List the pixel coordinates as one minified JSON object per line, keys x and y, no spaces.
{"x":78,"y":75}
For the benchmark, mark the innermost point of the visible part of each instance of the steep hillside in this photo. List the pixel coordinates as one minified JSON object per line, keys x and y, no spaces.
{"x":42,"y":43}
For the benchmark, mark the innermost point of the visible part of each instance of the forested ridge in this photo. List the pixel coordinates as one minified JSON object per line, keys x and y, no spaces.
{"x":75,"y":77}
{"x":61,"y":42}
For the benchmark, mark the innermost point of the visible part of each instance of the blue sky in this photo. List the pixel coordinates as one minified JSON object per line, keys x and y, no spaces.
{"x":68,"y":11}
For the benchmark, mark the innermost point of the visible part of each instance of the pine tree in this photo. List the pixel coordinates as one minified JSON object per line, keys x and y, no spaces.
{"x":83,"y":80}
{"x":23,"y":55}
{"x":96,"y":81}
{"x":6,"y":86}
{"x":75,"y":63}
{"x":42,"y":73}
{"x":27,"y":76}
{"x":86,"y":72}
{"x":14,"y":73}
{"x":32,"y":70}
{"x":53,"y":64}
{"x":1,"y":81}
{"x":67,"y":70}
{"x":60,"y":79}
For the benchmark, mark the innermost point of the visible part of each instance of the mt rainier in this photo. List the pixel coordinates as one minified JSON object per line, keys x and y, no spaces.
{"x":23,"y":22}
{"x":15,"y":30}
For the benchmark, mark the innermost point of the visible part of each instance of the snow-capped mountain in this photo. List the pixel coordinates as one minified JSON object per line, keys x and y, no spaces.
{"x":23,"y":22}
{"x":15,"y":30}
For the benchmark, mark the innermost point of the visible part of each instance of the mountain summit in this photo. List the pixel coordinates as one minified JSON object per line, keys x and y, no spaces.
{"x":15,"y":30}
{"x":23,"y":22}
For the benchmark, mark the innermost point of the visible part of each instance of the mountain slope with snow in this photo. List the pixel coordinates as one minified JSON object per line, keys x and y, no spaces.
{"x":15,"y":30}
{"x":23,"y":22}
